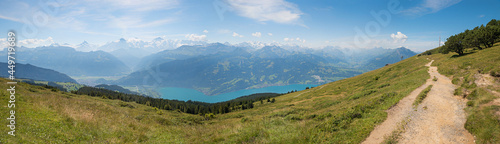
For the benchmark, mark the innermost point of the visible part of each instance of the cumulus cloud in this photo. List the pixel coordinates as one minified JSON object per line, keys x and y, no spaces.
{"x":237,"y":35}
{"x":430,"y":6}
{"x":205,"y":31}
{"x":36,"y":42}
{"x":294,"y":40}
{"x":195,"y":37}
{"x":269,"y":34}
{"x":256,"y":34}
{"x":317,"y":77}
{"x":399,"y":37}
{"x":279,"y":11}
{"x":30,"y":43}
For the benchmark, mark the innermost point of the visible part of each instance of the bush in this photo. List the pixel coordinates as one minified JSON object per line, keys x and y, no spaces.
{"x":470,"y":103}
{"x":123,"y":104}
{"x":159,"y":112}
{"x":473,"y":95}
{"x":458,"y":91}
{"x":494,"y":73}
{"x":209,"y":116}
{"x":311,"y":116}
{"x":455,"y":80}
{"x":244,"y":119}
{"x":293,"y":117}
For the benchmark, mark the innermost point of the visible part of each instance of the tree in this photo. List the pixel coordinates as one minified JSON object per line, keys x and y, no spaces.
{"x":488,"y":35}
{"x":273,"y":100}
{"x":493,"y":22}
{"x":454,"y":43}
{"x":471,"y":38}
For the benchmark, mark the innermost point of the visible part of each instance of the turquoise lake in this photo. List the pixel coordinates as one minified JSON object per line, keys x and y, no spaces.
{"x":185,"y":94}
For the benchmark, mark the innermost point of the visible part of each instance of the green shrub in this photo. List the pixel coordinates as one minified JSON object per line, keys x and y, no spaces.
{"x":384,"y":85}
{"x":455,"y":80}
{"x":311,"y":116}
{"x":209,"y":116}
{"x":124,"y":104}
{"x":323,"y":116}
{"x":470,"y":103}
{"x":473,"y":95}
{"x":458,"y":91}
{"x":293,"y":117}
{"x":422,"y":95}
{"x":244,"y":119}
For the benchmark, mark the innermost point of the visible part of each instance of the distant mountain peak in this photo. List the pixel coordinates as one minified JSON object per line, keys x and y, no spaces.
{"x":158,"y":39}
{"x":122,"y":40}
{"x":84,"y":43}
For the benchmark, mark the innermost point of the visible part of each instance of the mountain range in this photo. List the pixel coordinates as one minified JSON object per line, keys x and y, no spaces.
{"x":28,"y":71}
{"x":218,"y":68}
{"x":212,"y":68}
{"x":71,"y":62}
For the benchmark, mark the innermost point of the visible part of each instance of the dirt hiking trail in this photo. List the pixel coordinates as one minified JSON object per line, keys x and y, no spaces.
{"x":440,"y":118}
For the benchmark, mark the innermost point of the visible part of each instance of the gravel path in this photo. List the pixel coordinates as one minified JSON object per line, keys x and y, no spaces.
{"x":441,"y":121}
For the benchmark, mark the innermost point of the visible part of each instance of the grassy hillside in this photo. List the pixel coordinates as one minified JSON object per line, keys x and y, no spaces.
{"x":477,"y":76}
{"x":344,"y":111}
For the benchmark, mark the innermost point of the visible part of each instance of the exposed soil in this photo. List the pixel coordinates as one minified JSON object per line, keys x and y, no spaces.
{"x":442,"y":120}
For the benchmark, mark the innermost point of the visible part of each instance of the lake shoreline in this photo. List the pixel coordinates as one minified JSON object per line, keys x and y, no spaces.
{"x":186,"y":94}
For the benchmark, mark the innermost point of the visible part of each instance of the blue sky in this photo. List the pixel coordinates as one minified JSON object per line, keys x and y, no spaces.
{"x":416,"y":24}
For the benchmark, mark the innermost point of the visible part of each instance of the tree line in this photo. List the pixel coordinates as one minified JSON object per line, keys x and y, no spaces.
{"x":479,"y":37}
{"x":192,"y":107}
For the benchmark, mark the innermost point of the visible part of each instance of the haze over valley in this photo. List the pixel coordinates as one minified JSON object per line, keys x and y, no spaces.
{"x":250,"y":71}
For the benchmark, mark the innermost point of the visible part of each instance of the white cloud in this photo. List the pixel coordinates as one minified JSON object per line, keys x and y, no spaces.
{"x":224,"y":31}
{"x":133,"y":5}
{"x":125,"y":22}
{"x":10,"y":18}
{"x":481,"y":16}
{"x":317,"y":77}
{"x":279,"y":11}
{"x":205,"y":31}
{"x":30,"y":43}
{"x":256,"y":34}
{"x":237,"y":35}
{"x":430,"y":6}
{"x":195,"y":37}
{"x":294,"y":40}
{"x":46,"y":41}
{"x":270,"y":34}
{"x":399,"y":37}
